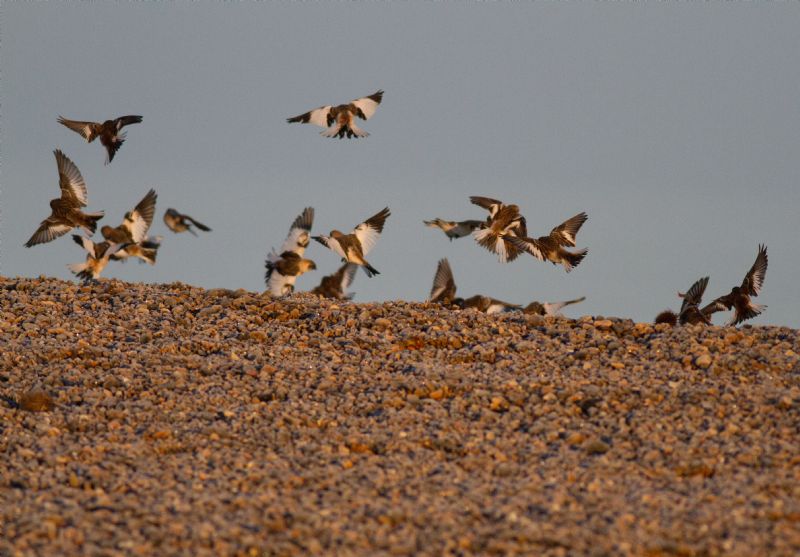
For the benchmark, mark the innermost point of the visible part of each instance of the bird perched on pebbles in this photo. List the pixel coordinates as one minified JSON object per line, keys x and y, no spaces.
{"x":551,"y":247}
{"x":341,"y":120}
{"x":283,"y":268}
{"x":335,"y":286}
{"x":66,"y":211}
{"x":454,"y":229}
{"x":550,"y":308}
{"x":739,"y":297}
{"x":355,"y":246}
{"x":178,"y":222}
{"x":444,"y":288}
{"x":503,"y":224}
{"x":108,"y":132}
{"x":690,"y":312}
{"x":133,"y":232}
{"x":97,"y":257}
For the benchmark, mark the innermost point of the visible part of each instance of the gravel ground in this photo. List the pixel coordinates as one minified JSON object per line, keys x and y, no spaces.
{"x":166,"y":419}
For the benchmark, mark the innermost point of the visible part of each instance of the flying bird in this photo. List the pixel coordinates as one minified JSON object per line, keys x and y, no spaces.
{"x":341,"y":120}
{"x":503,"y":224}
{"x":739,"y":297}
{"x":690,"y":312}
{"x":283,"y":268}
{"x":550,"y":308}
{"x":443,"y":290}
{"x":65,"y":210}
{"x":108,"y":132}
{"x":97,"y":256}
{"x":178,"y":222}
{"x":355,"y":246}
{"x":455,"y":229}
{"x":336,"y":285}
{"x":552,"y":247}
{"x":133,"y":231}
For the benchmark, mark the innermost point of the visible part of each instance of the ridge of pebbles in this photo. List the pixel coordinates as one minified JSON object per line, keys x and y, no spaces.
{"x":140,"y":419}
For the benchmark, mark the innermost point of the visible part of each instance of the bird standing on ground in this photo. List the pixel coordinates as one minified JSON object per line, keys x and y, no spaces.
{"x":340,"y":120}
{"x":133,"y":232}
{"x":551,"y":247}
{"x":283,"y":268}
{"x":739,"y":297}
{"x":66,"y":211}
{"x":108,"y":132}
{"x":355,"y":246}
{"x":178,"y":222}
{"x":550,"y":308}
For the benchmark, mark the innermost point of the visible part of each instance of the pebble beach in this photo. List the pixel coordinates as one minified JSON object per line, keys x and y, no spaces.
{"x":165,"y":419}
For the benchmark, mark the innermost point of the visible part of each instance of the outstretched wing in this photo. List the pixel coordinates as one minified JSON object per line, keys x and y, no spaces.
{"x":298,"y":237}
{"x":754,"y":279}
{"x":565,"y":232}
{"x":318,"y":117}
{"x":370,"y":230}
{"x":554,"y":308}
{"x":491,"y":205}
{"x":366,"y":106}
{"x":444,"y":286}
{"x":138,"y":221}
{"x":529,"y":245}
{"x":73,"y":188}
{"x":694,"y":295}
{"x":83,"y":128}
{"x":127,"y":121}
{"x":50,"y":229}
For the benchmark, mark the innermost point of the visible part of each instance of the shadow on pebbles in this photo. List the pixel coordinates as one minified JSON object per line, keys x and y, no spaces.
{"x":166,"y":419}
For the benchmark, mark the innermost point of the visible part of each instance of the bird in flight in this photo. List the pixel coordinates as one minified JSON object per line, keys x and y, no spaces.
{"x":178,"y":222}
{"x":552,"y":247}
{"x":503,"y":224}
{"x":109,"y":132}
{"x":283,"y":268}
{"x":132,"y":233}
{"x":97,"y":256}
{"x":454,"y":229}
{"x":66,"y":211}
{"x":739,"y":297}
{"x":340,"y":120}
{"x":355,"y":246}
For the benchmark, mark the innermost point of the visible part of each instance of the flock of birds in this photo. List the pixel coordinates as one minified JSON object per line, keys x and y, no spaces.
{"x":504,"y":232}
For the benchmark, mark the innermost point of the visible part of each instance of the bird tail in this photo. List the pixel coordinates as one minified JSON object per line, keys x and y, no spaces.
{"x":370,"y":270}
{"x":199,"y":225}
{"x":667,"y":316}
{"x":571,"y":260}
{"x":752,"y":311}
{"x":82,"y":271}
{"x":334,"y":131}
{"x":148,"y":254}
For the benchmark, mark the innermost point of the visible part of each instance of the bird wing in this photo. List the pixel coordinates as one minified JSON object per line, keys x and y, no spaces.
{"x":127,"y":120}
{"x":73,"y":188}
{"x":112,"y":144}
{"x":754,"y":279}
{"x":83,"y":128}
{"x":694,"y":295}
{"x":370,"y":230}
{"x":368,"y":105}
{"x":86,"y":244}
{"x":279,"y":284}
{"x":443,"y":282}
{"x":318,"y":117}
{"x":486,"y":202}
{"x":554,"y":308}
{"x":529,"y":245}
{"x":565,"y":232}
{"x":138,"y":221}
{"x":298,"y":237}
{"x":48,"y":230}
{"x":345,"y":275}
{"x":199,"y":225}
{"x":332,"y":244}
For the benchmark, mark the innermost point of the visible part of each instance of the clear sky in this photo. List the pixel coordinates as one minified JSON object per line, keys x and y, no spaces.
{"x":675,"y":126}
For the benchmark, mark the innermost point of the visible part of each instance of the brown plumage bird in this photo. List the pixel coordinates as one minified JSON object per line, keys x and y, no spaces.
{"x":97,"y":257}
{"x":486,"y":304}
{"x":552,"y":247}
{"x":133,"y":231}
{"x":739,"y":297}
{"x":690,"y":312}
{"x":443,"y":290}
{"x":454,"y":229}
{"x":550,"y":308}
{"x":341,"y":120}
{"x":66,"y":211}
{"x":335,"y":286}
{"x":283,"y":268}
{"x":108,"y":132}
{"x":178,"y":222}
{"x":503,"y":224}
{"x":355,"y":246}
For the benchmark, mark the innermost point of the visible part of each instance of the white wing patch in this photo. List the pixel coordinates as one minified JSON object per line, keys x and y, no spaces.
{"x":280,"y":285}
{"x":367,"y":235}
{"x":319,"y":116}
{"x":367,"y":106}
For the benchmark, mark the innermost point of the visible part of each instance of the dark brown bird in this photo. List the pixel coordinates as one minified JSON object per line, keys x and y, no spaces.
{"x":108,"y":132}
{"x":133,"y":231}
{"x":690,"y":312}
{"x":503,"y":224}
{"x":355,"y":246}
{"x":443,"y":290}
{"x":486,"y":304}
{"x":551,"y":247}
{"x":178,"y":222}
{"x":65,"y":210}
{"x":739,"y":297}
{"x":550,"y":308}
{"x":97,"y":256}
{"x":455,"y":229}
{"x":340,"y":120}
{"x":283,"y":268}
{"x":335,"y":286}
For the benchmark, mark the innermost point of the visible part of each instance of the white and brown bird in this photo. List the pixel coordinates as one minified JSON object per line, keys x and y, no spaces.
{"x":739,"y":297}
{"x":178,"y":222}
{"x":690,"y":312}
{"x":354,"y":247}
{"x":552,"y":247}
{"x":341,"y":120}
{"x":283,"y":268}
{"x":504,"y":222}
{"x":444,"y":289}
{"x":335,"y":286}
{"x":486,"y":304}
{"x":66,"y":211}
{"x":97,"y":257}
{"x":109,"y":132}
{"x":550,"y":308}
{"x":133,"y":231}
{"x":454,"y":229}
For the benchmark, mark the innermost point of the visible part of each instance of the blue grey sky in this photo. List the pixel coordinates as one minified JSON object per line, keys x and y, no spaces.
{"x":676,"y":127}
